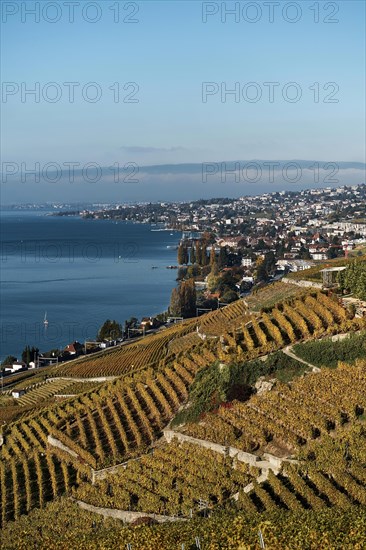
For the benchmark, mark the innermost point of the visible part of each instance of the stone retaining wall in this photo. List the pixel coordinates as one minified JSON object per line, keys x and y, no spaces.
{"x":101,"y":474}
{"x":233,"y":452}
{"x":74,"y":379}
{"x":124,"y":515}
{"x":56,"y":443}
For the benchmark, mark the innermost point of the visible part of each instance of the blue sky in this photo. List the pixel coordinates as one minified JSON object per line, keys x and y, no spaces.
{"x":168,"y":54}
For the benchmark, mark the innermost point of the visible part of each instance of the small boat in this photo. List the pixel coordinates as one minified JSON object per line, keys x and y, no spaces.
{"x":154,"y":267}
{"x":45,"y":321}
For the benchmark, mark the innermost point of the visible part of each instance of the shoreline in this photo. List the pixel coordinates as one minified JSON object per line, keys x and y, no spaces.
{"x":119,"y":273}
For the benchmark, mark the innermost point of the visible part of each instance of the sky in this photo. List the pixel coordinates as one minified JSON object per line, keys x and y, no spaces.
{"x":136,"y":84}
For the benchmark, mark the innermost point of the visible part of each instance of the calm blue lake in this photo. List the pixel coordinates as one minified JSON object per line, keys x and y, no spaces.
{"x":81,"y":272}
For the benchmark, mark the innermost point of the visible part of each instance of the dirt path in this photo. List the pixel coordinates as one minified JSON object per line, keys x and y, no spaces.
{"x":288,"y":351}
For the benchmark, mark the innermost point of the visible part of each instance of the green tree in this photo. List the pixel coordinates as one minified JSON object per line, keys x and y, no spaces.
{"x":192,"y":255}
{"x":353,"y":279}
{"x":204,"y":258}
{"x":193,"y":270}
{"x":304,"y":253}
{"x":182,"y":273}
{"x":265,"y":266}
{"x":261,"y":271}
{"x":198,"y":253}
{"x":29,"y":353}
{"x":183,"y":300}
{"x":26,"y":355}
{"x":214,"y":269}
{"x":212,"y":282}
{"x":110,"y":330}
{"x":229,"y":296}
{"x":223,"y":258}
{"x":332,"y":253}
{"x":186,"y":255}
{"x":188,"y":298}
{"x":181,"y":255}
{"x":8,"y":361}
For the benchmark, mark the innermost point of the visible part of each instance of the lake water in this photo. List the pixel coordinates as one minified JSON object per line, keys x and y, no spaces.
{"x":81,"y":272}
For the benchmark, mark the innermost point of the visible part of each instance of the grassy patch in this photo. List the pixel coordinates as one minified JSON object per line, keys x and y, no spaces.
{"x":328,"y":353}
{"x":212,"y":386}
{"x":277,"y":365}
{"x":222,"y":383}
{"x":271,"y":294}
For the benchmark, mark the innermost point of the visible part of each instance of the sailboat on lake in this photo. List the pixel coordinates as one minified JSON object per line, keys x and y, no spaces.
{"x":45,"y":320}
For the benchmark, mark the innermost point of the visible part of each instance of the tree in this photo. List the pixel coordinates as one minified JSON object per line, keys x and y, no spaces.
{"x":183,"y":300}
{"x":132,"y":322}
{"x":182,"y":273}
{"x":110,"y":330}
{"x":26,"y":355}
{"x":229,"y":296}
{"x":204,"y":255}
{"x":212,"y":256}
{"x":181,"y":255}
{"x":353,"y":278}
{"x":8,"y":361}
{"x":193,"y":270}
{"x":280,"y":250}
{"x":227,"y":281}
{"x":29,"y":353}
{"x":175,"y":309}
{"x":304,"y":253}
{"x":188,"y":298}
{"x":331,"y":253}
{"x":261,"y":271}
{"x":198,"y":252}
{"x":261,"y":245}
{"x":265,"y":266}
{"x":214,"y":269}
{"x":192,"y":255}
{"x":186,"y":255}
{"x":223,"y":258}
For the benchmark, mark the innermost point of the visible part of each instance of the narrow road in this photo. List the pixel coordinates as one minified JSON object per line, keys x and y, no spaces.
{"x":287,"y":351}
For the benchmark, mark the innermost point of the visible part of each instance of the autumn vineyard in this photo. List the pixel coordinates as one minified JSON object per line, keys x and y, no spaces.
{"x":109,"y":431}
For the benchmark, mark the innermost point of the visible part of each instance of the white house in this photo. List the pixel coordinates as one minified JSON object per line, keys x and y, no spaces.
{"x":18,"y":366}
{"x":246,"y":262}
{"x":17,"y":393}
{"x":318,"y":256}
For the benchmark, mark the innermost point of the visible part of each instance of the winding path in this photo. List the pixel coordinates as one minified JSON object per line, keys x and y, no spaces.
{"x":288,"y":351}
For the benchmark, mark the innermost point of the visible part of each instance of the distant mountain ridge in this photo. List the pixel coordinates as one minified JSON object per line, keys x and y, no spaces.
{"x":128,"y":181}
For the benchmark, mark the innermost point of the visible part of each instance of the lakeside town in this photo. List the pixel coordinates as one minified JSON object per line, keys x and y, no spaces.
{"x":228,"y":249}
{"x":313,"y":224}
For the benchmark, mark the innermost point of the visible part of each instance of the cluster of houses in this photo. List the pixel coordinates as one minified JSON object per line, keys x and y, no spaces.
{"x":75,"y":349}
